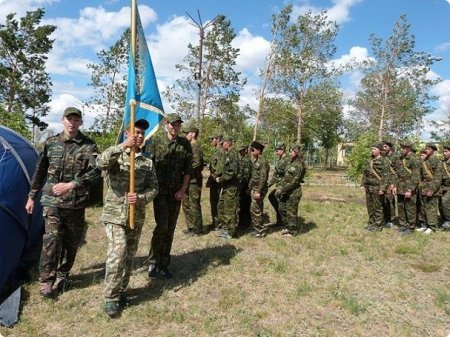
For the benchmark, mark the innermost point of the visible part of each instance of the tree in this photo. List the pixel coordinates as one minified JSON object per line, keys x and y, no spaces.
{"x":26,"y":87}
{"x":323,"y":107}
{"x":394,"y":93}
{"x":220,"y":83}
{"x":442,"y":134}
{"x":306,"y":47}
{"x":109,"y":82}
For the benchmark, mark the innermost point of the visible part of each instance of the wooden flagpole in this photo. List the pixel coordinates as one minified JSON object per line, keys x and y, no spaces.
{"x":132,"y":114}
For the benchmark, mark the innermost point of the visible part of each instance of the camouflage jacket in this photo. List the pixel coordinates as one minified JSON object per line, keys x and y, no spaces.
{"x":279,"y":169}
{"x":446,"y":175}
{"x":293,"y":177}
{"x":245,"y":164}
{"x":66,"y":160}
{"x":197,"y":164}
{"x":172,"y":160}
{"x":376,"y":175}
{"x":228,"y":168}
{"x":116,"y":162}
{"x":431,"y":176}
{"x":392,"y":158}
{"x":407,"y":173}
{"x":259,"y":175}
{"x":215,"y":158}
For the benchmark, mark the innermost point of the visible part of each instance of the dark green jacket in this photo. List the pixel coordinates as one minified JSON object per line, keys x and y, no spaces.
{"x":259,"y":175}
{"x":293,"y":176}
{"x":407,"y":175}
{"x":172,"y":160}
{"x":376,"y":175}
{"x":66,"y":160}
{"x":431,"y":176}
{"x":279,"y":169}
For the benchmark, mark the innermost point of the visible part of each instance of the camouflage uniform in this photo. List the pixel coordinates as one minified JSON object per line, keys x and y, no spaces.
{"x":289,"y":192}
{"x":214,"y":187}
{"x":172,"y":160}
{"x":431,"y":179}
{"x":258,"y":183}
{"x":63,"y":160}
{"x":375,"y":178}
{"x":245,"y":164}
{"x":278,"y":174}
{"x":227,"y":174}
{"x":389,"y":199}
{"x":445,"y":199}
{"x":407,"y":178}
{"x":122,"y":240}
{"x":191,"y":204}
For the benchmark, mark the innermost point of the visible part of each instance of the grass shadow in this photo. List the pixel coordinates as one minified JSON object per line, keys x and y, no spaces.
{"x":187,"y":268}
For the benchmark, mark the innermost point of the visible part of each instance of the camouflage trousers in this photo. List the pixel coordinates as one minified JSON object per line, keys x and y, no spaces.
{"x":257,"y":212}
{"x":407,"y":211}
{"x":63,"y":231}
{"x":288,"y":208}
{"x":374,"y":204}
{"x":275,"y":204}
{"x":445,"y":206}
{"x":389,"y":208}
{"x":244,"y":208}
{"x":122,"y":246}
{"x":227,"y":208}
{"x":214,"y":195}
{"x":192,"y":208}
{"x":430,"y":210}
{"x":166,"y":209}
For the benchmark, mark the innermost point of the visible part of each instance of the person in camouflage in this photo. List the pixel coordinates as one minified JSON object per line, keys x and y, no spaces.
{"x":389,"y":200}
{"x":288,"y":191}
{"x":191,"y":204}
{"x":445,"y":199}
{"x":245,"y":164}
{"x":122,"y":240}
{"x":281,"y":163}
{"x":172,"y":157}
{"x":258,"y":188}
{"x":430,"y":189}
{"x":228,"y":174}
{"x":374,"y":183}
{"x":404,"y":186}
{"x":214,"y":187}
{"x":65,"y":170}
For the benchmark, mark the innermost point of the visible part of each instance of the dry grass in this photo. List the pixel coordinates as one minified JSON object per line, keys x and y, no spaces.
{"x":332,"y":280}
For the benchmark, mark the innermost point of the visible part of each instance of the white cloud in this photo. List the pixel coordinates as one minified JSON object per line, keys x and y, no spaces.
{"x":339,"y":12}
{"x":443,"y":46}
{"x":253,"y":51}
{"x":20,"y":7}
{"x":442,"y":91}
{"x":356,"y":55}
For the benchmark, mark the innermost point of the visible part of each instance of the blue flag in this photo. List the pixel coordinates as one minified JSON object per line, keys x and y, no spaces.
{"x":142,"y":86}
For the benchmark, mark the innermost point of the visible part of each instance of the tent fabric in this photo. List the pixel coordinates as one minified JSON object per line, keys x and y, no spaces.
{"x":19,"y":231}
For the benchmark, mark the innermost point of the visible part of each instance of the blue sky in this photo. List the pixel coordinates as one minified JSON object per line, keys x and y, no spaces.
{"x":85,"y":27}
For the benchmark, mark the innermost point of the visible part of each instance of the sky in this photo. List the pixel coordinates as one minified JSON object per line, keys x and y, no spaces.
{"x":84,"y":27}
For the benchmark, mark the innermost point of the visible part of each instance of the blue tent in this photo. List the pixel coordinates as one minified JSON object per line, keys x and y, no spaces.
{"x":20,"y":234}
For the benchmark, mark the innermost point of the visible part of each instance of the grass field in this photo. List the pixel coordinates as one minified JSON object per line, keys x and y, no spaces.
{"x":335,"y":279}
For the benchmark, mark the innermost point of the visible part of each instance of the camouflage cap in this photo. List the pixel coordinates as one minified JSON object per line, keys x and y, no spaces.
{"x":388,"y":141}
{"x":431,"y":146}
{"x":378,"y":145}
{"x":296,"y":148}
{"x":217,"y":136}
{"x":192,"y":129}
{"x":280,"y":146}
{"x":446,"y":146}
{"x":72,"y":111}
{"x":406,"y":143}
{"x":173,"y":117}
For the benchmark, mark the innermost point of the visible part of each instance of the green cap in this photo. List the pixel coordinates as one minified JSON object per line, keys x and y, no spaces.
{"x":296,"y":148}
{"x":192,"y":129}
{"x":406,"y":143}
{"x":228,"y":139}
{"x":446,"y":146}
{"x":431,"y":146}
{"x":280,"y":146}
{"x":72,"y":111}
{"x":378,"y":145}
{"x":173,"y":117}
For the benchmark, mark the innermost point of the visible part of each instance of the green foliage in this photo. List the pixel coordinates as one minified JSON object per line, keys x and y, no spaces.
{"x":209,"y":66}
{"x":360,"y":154}
{"x":26,"y":86}
{"x":394,"y":93}
{"x":109,"y":84}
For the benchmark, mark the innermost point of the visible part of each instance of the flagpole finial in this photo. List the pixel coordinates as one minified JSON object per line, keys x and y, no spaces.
{"x":132,"y":102}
